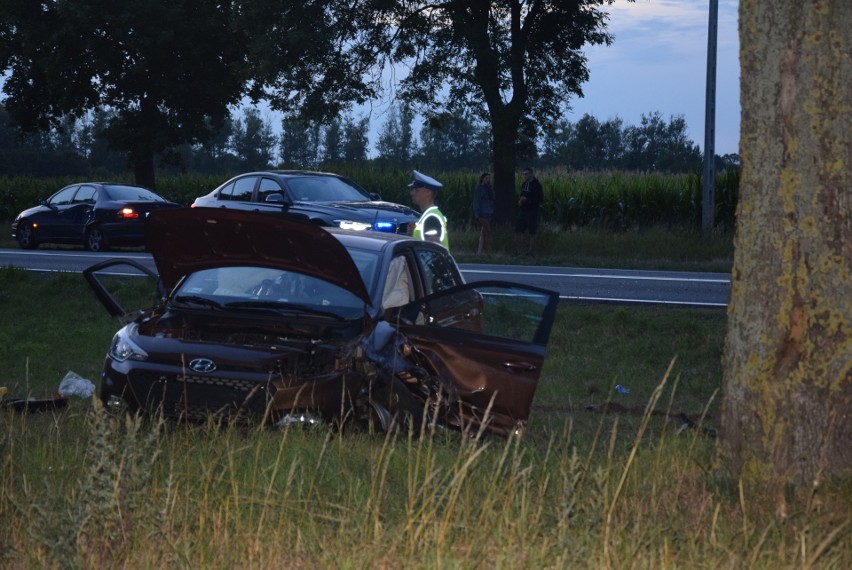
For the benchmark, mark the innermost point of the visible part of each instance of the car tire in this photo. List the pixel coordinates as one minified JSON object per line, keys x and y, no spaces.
{"x":96,"y":240}
{"x":406,"y":411}
{"x":26,"y":236}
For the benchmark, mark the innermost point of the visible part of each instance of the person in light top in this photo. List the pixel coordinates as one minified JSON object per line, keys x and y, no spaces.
{"x":432,"y":225}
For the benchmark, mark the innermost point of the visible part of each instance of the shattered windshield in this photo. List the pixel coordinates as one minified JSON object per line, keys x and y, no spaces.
{"x":265,"y":288}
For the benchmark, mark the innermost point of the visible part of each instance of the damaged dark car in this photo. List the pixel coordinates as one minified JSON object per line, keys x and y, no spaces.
{"x":271,"y":319}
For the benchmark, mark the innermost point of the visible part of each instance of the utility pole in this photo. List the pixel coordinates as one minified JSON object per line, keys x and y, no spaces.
{"x":708,"y":202}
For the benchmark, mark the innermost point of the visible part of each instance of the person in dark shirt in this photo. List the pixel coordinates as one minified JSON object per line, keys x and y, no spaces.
{"x":528,"y":215}
{"x":483,"y":209}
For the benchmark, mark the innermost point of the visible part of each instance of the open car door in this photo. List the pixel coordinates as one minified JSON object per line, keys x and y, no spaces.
{"x":117,"y":285}
{"x":489,"y":339}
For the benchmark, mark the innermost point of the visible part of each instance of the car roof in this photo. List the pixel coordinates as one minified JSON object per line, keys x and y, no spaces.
{"x":101,"y":183}
{"x":290,"y":173}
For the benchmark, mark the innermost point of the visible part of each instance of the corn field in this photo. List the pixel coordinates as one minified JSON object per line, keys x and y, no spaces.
{"x":605,"y":200}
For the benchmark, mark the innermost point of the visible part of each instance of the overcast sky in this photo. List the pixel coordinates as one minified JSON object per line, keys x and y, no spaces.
{"x":658,"y":62}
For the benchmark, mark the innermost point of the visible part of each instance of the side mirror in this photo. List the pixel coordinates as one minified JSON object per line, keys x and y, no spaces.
{"x":375,"y":196}
{"x":275,"y":198}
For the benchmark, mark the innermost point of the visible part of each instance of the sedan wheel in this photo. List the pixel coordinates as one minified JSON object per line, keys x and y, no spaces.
{"x":26,"y":237}
{"x":95,"y":240}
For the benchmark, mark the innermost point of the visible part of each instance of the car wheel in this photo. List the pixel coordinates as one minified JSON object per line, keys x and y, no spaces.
{"x":95,"y":240}
{"x":404,"y":411}
{"x":26,"y":237}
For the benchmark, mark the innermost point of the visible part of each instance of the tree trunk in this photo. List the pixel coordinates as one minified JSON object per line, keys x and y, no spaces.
{"x":787,"y":401}
{"x":505,"y":120}
{"x":143,"y":170}
{"x":505,"y":195}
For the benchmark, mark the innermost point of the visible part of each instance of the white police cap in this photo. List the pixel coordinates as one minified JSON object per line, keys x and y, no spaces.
{"x":421,"y":180}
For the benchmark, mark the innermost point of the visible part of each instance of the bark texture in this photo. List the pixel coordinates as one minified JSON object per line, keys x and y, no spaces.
{"x":787,"y":400}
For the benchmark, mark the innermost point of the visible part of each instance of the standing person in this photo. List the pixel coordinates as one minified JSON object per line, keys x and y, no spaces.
{"x":483,"y":209}
{"x":432,"y":225}
{"x":529,"y":205}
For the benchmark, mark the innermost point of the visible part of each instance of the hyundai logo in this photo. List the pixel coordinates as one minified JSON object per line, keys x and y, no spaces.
{"x":202,"y":365}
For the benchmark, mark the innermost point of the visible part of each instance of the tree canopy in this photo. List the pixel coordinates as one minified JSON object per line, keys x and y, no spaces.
{"x":168,"y":70}
{"x":514,"y":63}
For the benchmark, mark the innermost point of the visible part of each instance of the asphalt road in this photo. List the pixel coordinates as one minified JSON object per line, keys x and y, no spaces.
{"x":590,"y":285}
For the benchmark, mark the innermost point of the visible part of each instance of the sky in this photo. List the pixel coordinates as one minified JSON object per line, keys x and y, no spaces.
{"x":658,"y":62}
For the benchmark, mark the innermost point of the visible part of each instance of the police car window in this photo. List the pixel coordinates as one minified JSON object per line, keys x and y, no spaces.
{"x":267,"y":187}
{"x":437,"y":270}
{"x":225,"y":193}
{"x":243,"y":188}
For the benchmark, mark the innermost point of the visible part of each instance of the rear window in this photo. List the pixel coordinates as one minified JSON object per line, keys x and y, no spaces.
{"x":131,"y":193}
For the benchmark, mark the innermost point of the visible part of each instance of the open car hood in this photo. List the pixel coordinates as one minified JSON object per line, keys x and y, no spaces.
{"x":186,"y":240}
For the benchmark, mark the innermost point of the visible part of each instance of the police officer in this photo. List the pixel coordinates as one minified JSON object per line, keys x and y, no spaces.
{"x":432,"y":224}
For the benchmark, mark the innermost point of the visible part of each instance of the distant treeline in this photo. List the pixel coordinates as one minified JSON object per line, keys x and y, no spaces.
{"x":248,"y":141}
{"x":611,"y":200}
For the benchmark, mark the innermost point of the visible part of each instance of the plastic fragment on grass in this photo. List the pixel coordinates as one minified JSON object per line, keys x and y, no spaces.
{"x":75,"y":385}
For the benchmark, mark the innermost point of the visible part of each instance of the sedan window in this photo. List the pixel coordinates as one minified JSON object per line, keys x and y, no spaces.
{"x":243,"y":188}
{"x":269,"y":187}
{"x":86,"y":194}
{"x":226,"y":191}
{"x":438,"y":271}
{"x":63,"y":197}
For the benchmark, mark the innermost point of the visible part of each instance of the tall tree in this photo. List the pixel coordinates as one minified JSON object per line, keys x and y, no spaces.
{"x":396,"y":139}
{"x":787,"y":401}
{"x":454,"y":141}
{"x":168,"y":69}
{"x":253,"y":140}
{"x":515,"y":62}
{"x":332,"y":145}
{"x":355,"y":140}
{"x":300,"y":142}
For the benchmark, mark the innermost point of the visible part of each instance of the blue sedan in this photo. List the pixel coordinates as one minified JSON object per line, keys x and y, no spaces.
{"x":97,"y":215}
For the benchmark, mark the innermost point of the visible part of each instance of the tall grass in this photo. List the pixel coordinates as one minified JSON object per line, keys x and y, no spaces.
{"x":83,"y":489}
{"x":600,"y":479}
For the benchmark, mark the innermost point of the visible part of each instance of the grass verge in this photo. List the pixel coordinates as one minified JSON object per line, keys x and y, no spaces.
{"x":588,"y":486}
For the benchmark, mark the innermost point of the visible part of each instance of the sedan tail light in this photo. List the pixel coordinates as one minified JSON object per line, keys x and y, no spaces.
{"x":128,"y":214}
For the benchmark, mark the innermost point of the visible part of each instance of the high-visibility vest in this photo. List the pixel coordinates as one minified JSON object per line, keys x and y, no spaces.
{"x":432,"y":211}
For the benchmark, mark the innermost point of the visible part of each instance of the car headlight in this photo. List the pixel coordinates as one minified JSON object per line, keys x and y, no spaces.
{"x":122,"y":348}
{"x":352,"y":225}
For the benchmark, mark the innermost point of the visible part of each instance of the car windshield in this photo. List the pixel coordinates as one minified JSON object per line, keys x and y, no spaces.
{"x":367,"y":263}
{"x":324,"y":189}
{"x":267,"y":289}
{"x":131,"y":194}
